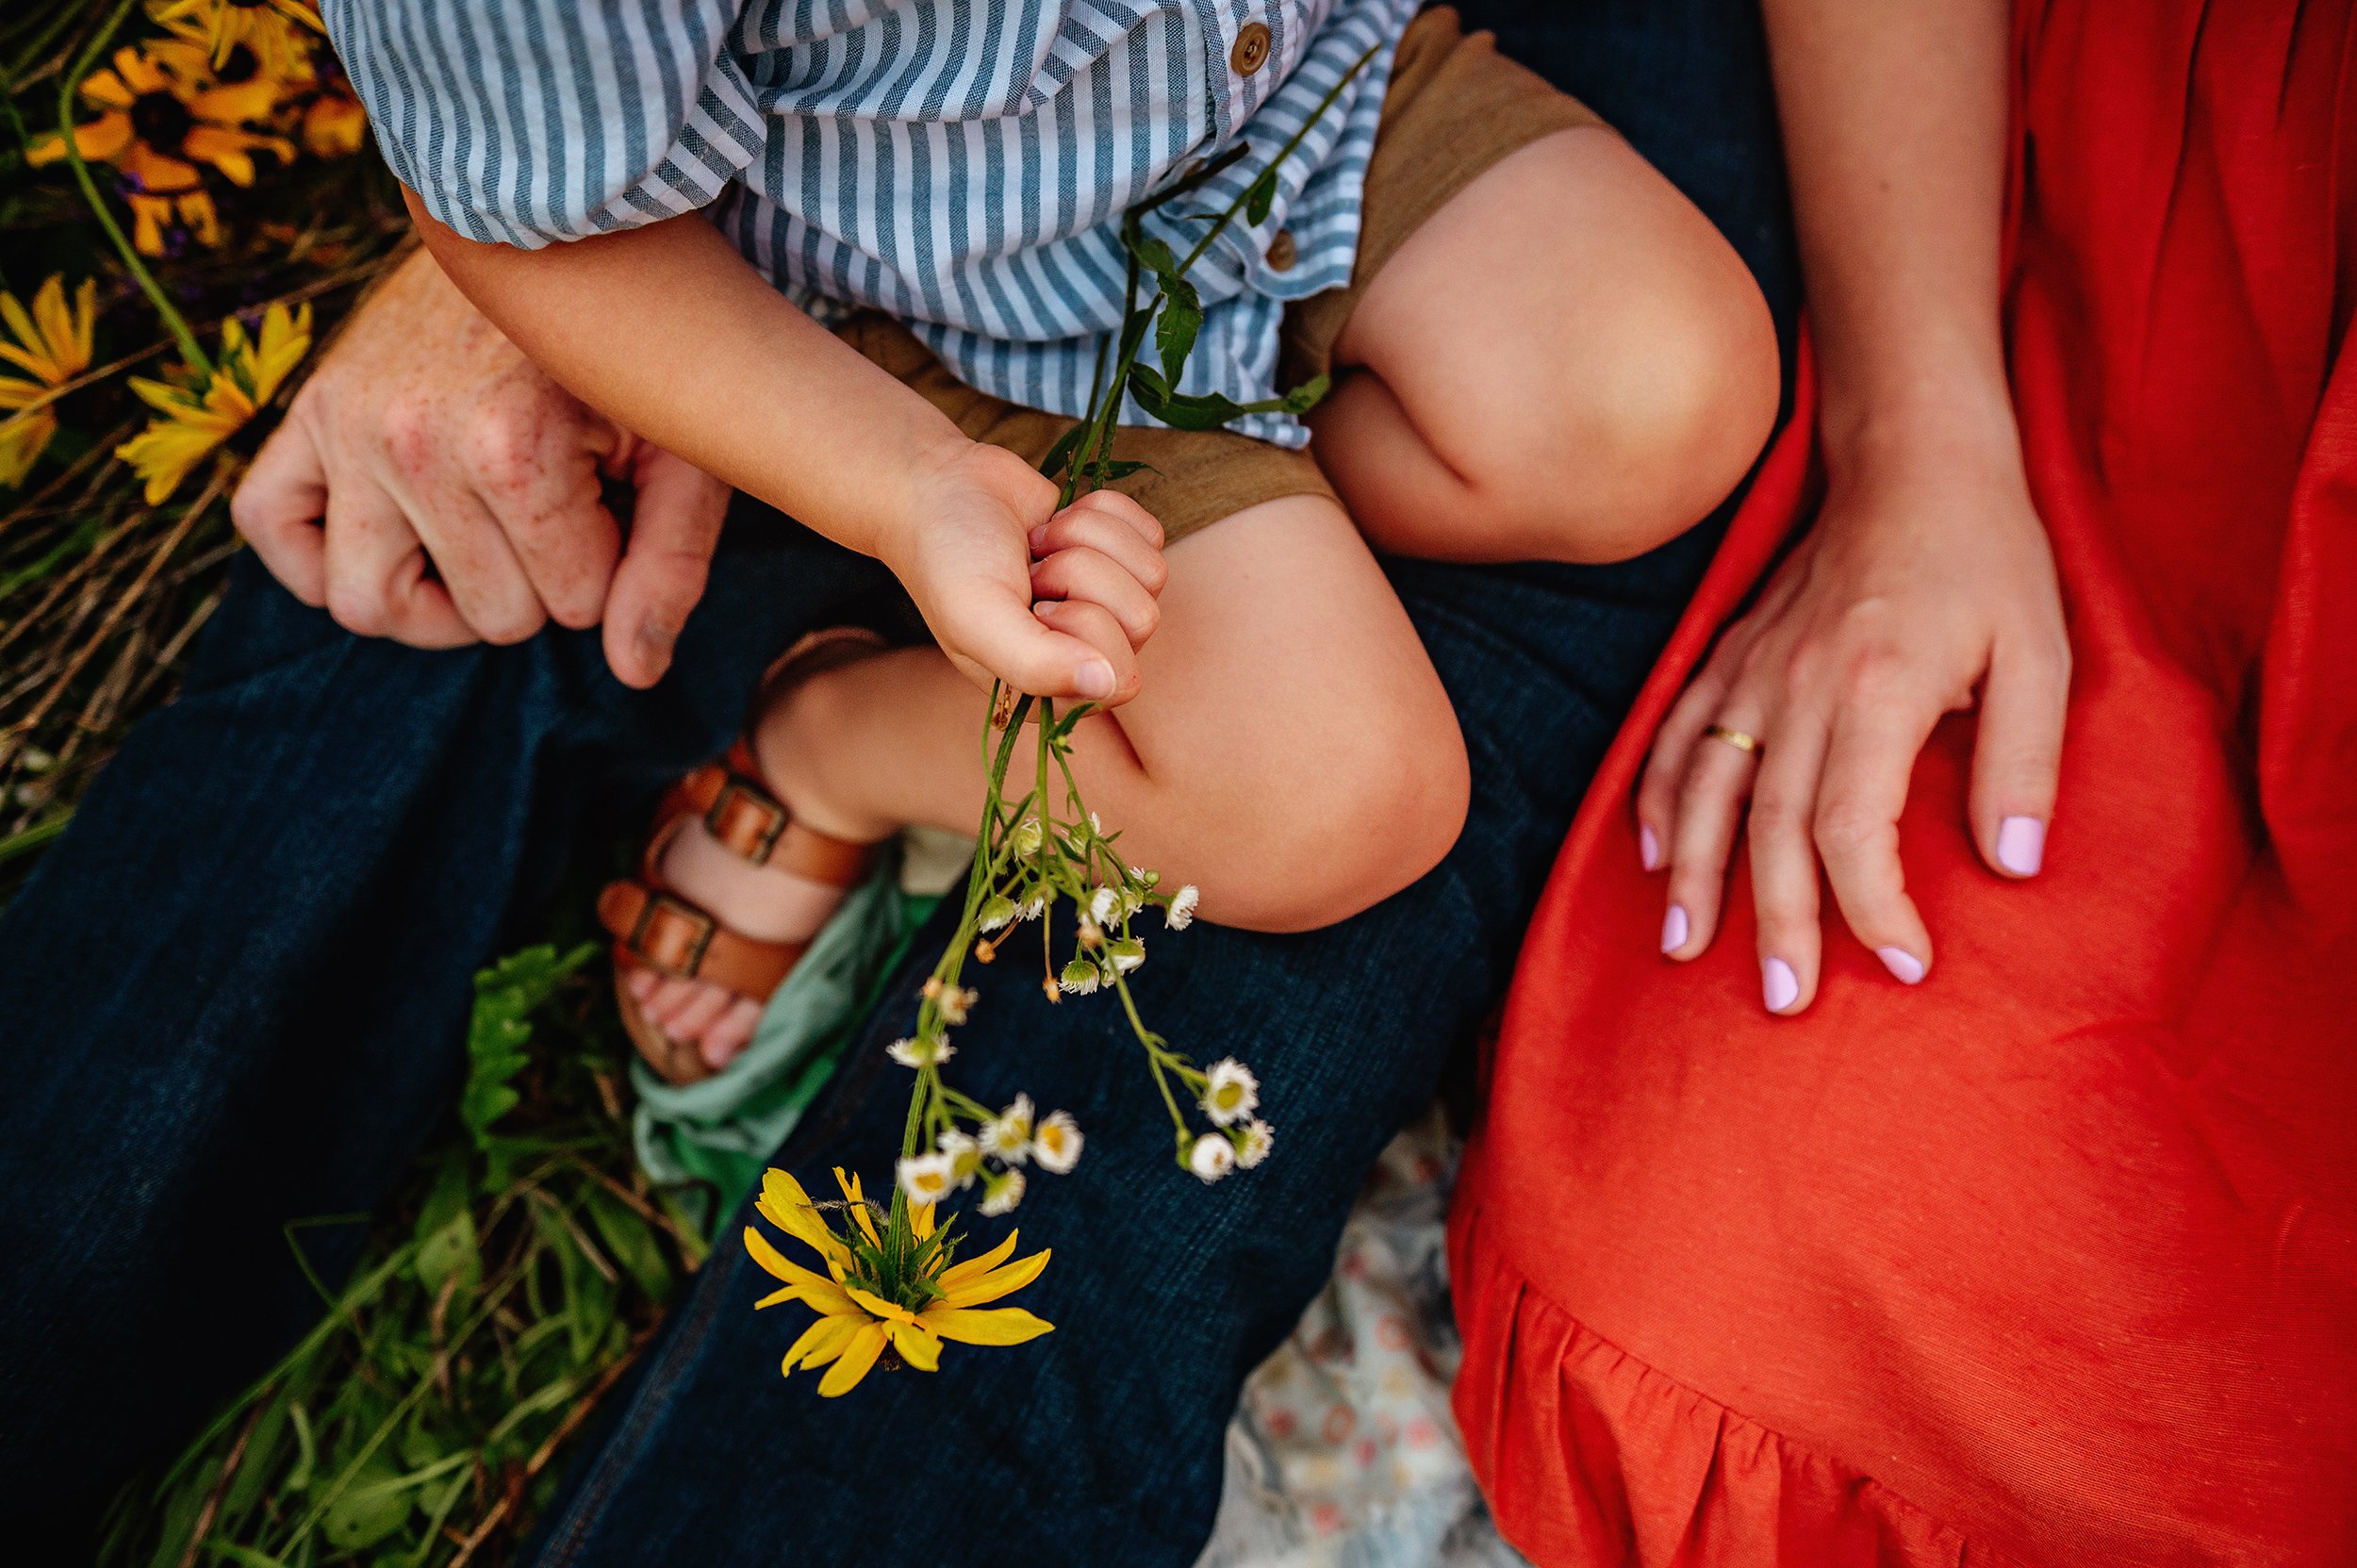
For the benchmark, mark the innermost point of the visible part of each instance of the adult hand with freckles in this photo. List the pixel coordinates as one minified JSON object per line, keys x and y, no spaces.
{"x":431,"y":485}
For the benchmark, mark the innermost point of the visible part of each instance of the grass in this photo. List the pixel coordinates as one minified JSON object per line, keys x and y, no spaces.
{"x":525,"y":1261}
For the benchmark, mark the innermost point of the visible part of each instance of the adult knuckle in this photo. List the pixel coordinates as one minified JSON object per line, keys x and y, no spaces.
{"x":508,"y":624}
{"x":501,"y":448}
{"x":406,"y":423}
{"x":357,"y":610}
{"x":1845,"y":827}
{"x":1777,"y":812}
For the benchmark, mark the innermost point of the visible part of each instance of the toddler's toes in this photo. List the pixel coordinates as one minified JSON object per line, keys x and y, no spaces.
{"x":697,"y":1015}
{"x":728,"y":1033}
{"x":642,"y":984}
{"x":664,"y":1002}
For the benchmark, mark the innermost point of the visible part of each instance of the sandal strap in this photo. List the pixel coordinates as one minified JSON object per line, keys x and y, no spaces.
{"x":666,"y":933}
{"x":752,"y":824}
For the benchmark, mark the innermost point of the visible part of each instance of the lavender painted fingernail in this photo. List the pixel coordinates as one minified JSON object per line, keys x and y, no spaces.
{"x":1673,"y":929}
{"x":2021,"y":845}
{"x":1779,"y":984}
{"x":1901,"y":963}
{"x":1648,"y":848}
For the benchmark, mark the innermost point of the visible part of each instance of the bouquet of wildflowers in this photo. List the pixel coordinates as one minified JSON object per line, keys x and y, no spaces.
{"x":893,"y":1289}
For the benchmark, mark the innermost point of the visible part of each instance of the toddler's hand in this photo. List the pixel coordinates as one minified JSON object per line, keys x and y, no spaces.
{"x":1054,"y":604}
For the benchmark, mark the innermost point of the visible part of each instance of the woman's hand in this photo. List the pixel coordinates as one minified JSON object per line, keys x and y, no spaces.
{"x":1926,"y":578}
{"x":1051,"y":603}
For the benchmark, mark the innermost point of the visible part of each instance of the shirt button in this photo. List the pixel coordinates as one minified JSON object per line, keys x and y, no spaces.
{"x":1282,"y":253}
{"x":1251,"y":50}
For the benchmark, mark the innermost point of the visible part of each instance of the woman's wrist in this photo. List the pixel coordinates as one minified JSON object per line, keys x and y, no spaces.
{"x":1936,"y":419}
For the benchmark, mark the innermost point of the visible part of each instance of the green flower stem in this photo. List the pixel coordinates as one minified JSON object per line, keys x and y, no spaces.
{"x":173,"y":321}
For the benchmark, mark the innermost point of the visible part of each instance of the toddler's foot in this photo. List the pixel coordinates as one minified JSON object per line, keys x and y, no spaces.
{"x":767,"y":881}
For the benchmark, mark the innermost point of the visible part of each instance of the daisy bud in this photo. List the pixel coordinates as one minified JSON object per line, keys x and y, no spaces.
{"x":926,"y":1178}
{"x":1008,"y":1135}
{"x":1211,"y":1157}
{"x":1230,"y":1093}
{"x":1057,"y":1143}
{"x":1253,"y":1142}
{"x":1026,"y":838}
{"x":1001,"y":1192}
{"x":1103,"y":905}
{"x":1050,"y":988}
{"x":985,"y":951}
{"x":1095,"y":826}
{"x":1034,"y":907}
{"x":1079,"y":978}
{"x":1180,"y":914}
{"x":926,"y":1050}
{"x":1090,"y":933}
{"x":955,"y":1002}
{"x":997,"y":912}
{"x":1126,"y":954}
{"x":1131,"y":900}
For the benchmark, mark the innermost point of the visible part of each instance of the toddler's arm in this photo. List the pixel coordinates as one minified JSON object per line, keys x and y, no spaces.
{"x":670,"y":331}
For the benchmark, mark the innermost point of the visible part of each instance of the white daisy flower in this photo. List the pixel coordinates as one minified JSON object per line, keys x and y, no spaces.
{"x":963,"y":1154}
{"x":1103,"y":905}
{"x":1230,"y":1093}
{"x":1095,"y":826}
{"x":956,"y":1001}
{"x":920,"y":1052}
{"x":997,"y":912}
{"x":1126,"y":954}
{"x":1057,"y":1143}
{"x":1081,"y":977}
{"x":1001,"y":1192}
{"x":1033,"y":908}
{"x":1180,"y":915}
{"x":1254,"y":1143}
{"x":1211,"y":1157}
{"x":926,"y":1178}
{"x":1008,"y":1135}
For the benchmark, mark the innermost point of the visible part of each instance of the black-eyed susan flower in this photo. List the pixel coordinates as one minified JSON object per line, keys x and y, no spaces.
{"x":279,"y":32}
{"x":334,"y":123}
{"x":163,"y":120}
{"x":51,"y":343}
{"x":890,"y":1289}
{"x":201,"y":412}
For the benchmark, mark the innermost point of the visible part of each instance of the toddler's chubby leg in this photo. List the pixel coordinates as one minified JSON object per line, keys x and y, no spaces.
{"x":1291,"y":751}
{"x":1566,"y":362}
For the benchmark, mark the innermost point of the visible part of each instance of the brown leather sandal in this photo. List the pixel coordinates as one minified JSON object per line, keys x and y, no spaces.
{"x":656,"y":927}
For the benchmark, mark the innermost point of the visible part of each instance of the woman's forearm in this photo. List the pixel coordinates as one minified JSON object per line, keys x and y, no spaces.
{"x":1894,"y":125}
{"x":671,"y":333}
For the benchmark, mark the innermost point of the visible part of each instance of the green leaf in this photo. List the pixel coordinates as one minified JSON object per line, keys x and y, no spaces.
{"x":1113,"y":469}
{"x":372,"y":1507}
{"x":1175,"y":332}
{"x":447,"y":1244}
{"x":499,"y":1029}
{"x":1260,"y":196}
{"x":1307,"y":395}
{"x":1156,"y":257}
{"x":1179,"y":410}
{"x":1061,"y":454}
{"x":229,"y":1551}
{"x":631,"y":1240}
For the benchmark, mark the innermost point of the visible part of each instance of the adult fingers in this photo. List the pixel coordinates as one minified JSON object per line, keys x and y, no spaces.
{"x":1710,"y":807}
{"x":1784,"y":864}
{"x":2017,"y":755}
{"x":1667,"y":765}
{"x":1081,"y":574}
{"x":379,"y":582}
{"x":1109,"y":536}
{"x":1869,"y":766}
{"x":478,"y":568}
{"x":533,"y":460}
{"x":674,"y":529}
{"x":278,"y":506}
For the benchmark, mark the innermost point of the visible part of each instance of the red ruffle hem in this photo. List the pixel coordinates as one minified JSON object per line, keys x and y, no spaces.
{"x":2052,"y":1259}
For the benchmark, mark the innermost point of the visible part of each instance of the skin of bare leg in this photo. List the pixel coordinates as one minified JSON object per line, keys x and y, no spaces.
{"x":1566,"y":362}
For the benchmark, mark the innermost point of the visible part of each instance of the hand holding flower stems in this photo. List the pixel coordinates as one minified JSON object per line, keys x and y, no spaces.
{"x":893,"y":1288}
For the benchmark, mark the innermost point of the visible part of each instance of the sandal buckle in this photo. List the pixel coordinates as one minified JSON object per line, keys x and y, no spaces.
{"x":746,"y":820}
{"x":672,"y":935}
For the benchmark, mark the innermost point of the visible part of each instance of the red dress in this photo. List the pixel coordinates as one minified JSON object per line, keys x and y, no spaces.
{"x":2052,"y":1259}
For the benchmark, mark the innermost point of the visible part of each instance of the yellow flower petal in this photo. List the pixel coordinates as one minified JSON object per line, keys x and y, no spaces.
{"x":23,"y":439}
{"x":106,"y":88}
{"x":876,"y":1306}
{"x":821,"y":1343}
{"x":776,"y":1263}
{"x":920,"y":1348}
{"x":921,"y":1220}
{"x":858,"y":1356}
{"x":859,"y":1204}
{"x":999,"y":1282}
{"x":974,"y":1268}
{"x":997,"y":1325}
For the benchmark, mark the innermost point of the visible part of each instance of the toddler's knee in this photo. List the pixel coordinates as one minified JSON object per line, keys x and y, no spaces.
{"x":1636,"y":444}
{"x":1368,"y":818}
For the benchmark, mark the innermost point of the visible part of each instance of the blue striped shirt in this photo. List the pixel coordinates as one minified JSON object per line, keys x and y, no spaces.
{"x":961,"y":164}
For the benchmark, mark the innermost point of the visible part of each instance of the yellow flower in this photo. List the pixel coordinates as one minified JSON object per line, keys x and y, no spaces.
{"x":164,"y":116}
{"x":279,"y":32}
{"x":856,"y":1320}
{"x":334,"y":123}
{"x":53,"y":344}
{"x":199,"y":416}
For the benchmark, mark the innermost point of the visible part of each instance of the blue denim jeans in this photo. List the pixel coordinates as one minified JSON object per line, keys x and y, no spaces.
{"x":233,"y":994}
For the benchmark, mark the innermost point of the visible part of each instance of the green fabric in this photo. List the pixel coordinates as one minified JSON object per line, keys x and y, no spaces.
{"x":720,"y":1134}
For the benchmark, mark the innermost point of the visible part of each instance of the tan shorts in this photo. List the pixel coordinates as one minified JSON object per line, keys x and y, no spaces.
{"x":1455,"y":107}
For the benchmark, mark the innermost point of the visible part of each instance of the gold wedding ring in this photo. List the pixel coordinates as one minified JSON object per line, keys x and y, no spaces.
{"x":1736,"y":738}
